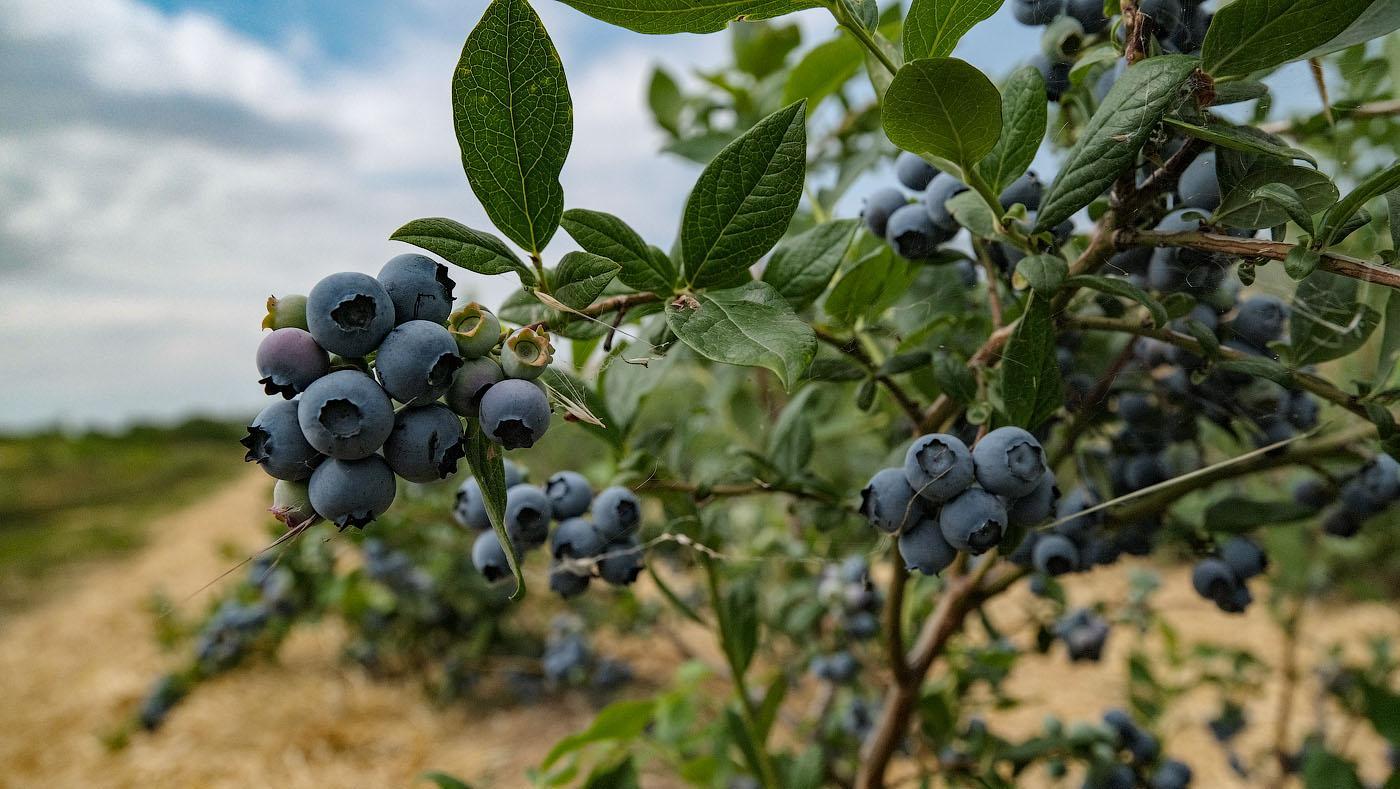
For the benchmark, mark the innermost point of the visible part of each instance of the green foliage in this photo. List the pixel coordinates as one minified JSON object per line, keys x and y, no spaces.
{"x":802,"y":267}
{"x":945,"y":109}
{"x":462,"y":246}
{"x":605,"y":235}
{"x":932,"y":28}
{"x":751,"y":325}
{"x":487,"y":465}
{"x":1249,"y":35}
{"x":684,"y":16}
{"x":1023,"y":116}
{"x":1030,"y":385}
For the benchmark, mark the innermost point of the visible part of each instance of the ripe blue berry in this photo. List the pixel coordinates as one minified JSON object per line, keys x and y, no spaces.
{"x":515,"y":413}
{"x":568,"y":581}
{"x":913,"y":171}
{"x":289,"y":360}
{"x":1261,"y":320}
{"x":489,"y":557}
{"x":878,"y":207}
{"x":1213,"y":579}
{"x":924,"y":548}
{"x":426,"y":443}
{"x":576,"y":538}
{"x":1244,"y":557}
{"x":1171,"y":774}
{"x":527,"y":516}
{"x":1198,"y":186}
{"x":938,"y":467}
{"x":1077,"y":500}
{"x":616,"y":512}
{"x":1036,"y":506}
{"x":416,"y":362}
{"x":419,"y":287}
{"x":888,"y":502}
{"x":346,"y":415}
{"x":837,"y":668}
{"x":276,"y":443}
{"x":973,"y":521}
{"x":1025,"y":190}
{"x":1036,"y":12}
{"x":1083,"y":633}
{"x":911,"y":233}
{"x":1313,"y":492}
{"x":1341,"y":522}
{"x":1055,"y":554}
{"x":1374,"y":487}
{"x":515,"y":473}
{"x":352,"y":492}
{"x":569,"y":494}
{"x":1009,"y":462}
{"x":940,"y":190}
{"x":1165,"y":13}
{"x":469,"y":385}
{"x":349,"y":313}
{"x":1056,"y":75}
{"x":470,"y":509}
{"x":621,"y":561}
{"x":1089,"y":13}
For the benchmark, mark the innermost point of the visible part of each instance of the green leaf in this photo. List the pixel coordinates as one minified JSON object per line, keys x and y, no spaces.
{"x":971,"y":211}
{"x":444,"y":781}
{"x":751,"y":325}
{"x":684,"y":16}
{"x":1375,"y":185}
{"x":461,"y":246}
{"x":823,"y":70}
{"x":1237,"y":514}
{"x":740,"y":734}
{"x":1238,"y":91}
{"x":738,"y":620}
{"x":1382,"y":707}
{"x":1300,"y":262}
{"x":665,"y":99}
{"x":606,"y":235}
{"x":1287,"y":198}
{"x":802,"y":266}
{"x":790,"y":442}
{"x":514,"y":122}
{"x":621,"y":721}
{"x":932,"y":28}
{"x":1392,"y":206}
{"x":1390,"y":339}
{"x":1323,"y":770}
{"x":1205,"y":335}
{"x":1044,"y":273}
{"x":1031,"y":389}
{"x":954,"y":378}
{"x":761,"y":48}
{"x":743,"y":201}
{"x":1241,"y":208}
{"x":1242,"y":138}
{"x":1328,"y":322}
{"x":581,"y":277}
{"x":622,"y":775}
{"x":487,"y":465}
{"x":943,"y":108}
{"x":1125,"y":289}
{"x":1257,"y":367}
{"x":870,"y":286}
{"x":1250,"y":35}
{"x":1379,"y":19}
{"x":1023,"y":119}
{"x":1110,"y":141}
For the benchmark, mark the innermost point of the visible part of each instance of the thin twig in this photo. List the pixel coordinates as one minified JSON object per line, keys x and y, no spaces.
{"x":1257,"y":248}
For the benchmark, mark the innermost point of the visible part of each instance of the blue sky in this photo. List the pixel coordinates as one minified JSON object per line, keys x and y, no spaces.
{"x":167,"y":164}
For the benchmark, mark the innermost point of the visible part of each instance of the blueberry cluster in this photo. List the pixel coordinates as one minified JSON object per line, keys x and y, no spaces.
{"x":606,"y":544}
{"x":568,"y":660}
{"x":1144,"y":765}
{"x":947,"y":498}
{"x":344,"y":355}
{"x":1221,"y":578}
{"x":915,"y":230}
{"x":847,"y":591}
{"x":1083,"y":633}
{"x":1368,"y":492}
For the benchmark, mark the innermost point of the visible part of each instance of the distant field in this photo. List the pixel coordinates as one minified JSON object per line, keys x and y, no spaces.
{"x":67,"y":498}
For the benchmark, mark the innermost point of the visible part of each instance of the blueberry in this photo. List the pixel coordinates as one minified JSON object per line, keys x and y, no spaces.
{"x":426,"y":443}
{"x":1313,"y":492}
{"x":973,"y":521}
{"x":476,"y":329}
{"x":1341,"y":522}
{"x":1078,"y":528}
{"x":911,"y":233}
{"x":526,"y":354}
{"x":291,"y":503}
{"x":923,"y":548}
{"x":515,"y":474}
{"x":1105,"y":81}
{"x":1055,"y":554}
{"x":469,"y":385}
{"x":285,"y":312}
{"x":346,"y":415}
{"x":878,"y":207}
{"x":1374,"y":486}
{"x":938,"y":467}
{"x":349,"y":313}
{"x":1166,"y":14}
{"x":1236,"y":601}
{"x":568,"y":581}
{"x":1009,"y":462}
{"x":1302,"y":410}
{"x":837,"y":668}
{"x":1244,"y":557}
{"x":569,"y":494}
{"x":1186,"y":270}
{"x":1036,"y":12}
{"x":1191,"y":33}
{"x":1133,"y":261}
{"x":276,"y":443}
{"x":1025,"y":190}
{"x":855,"y":569}
{"x":565,"y":657}
{"x":515,"y":413}
{"x":1089,"y":13}
{"x":1213,"y":579}
{"x":1083,"y":633}
{"x":1055,"y":73}
{"x":862,"y":625}
{"x":1198,"y":185}
{"x":470,"y":508}
{"x":416,"y":362}
{"x":489,"y":557}
{"x":352,"y":492}
{"x":940,"y":190}
{"x":289,"y":360}
{"x":1261,"y":320}
{"x":419,"y":287}
{"x":527,"y":516}
{"x":1142,"y":471}
{"x":162,"y":697}
{"x":621,"y":561}
{"x":913,"y":171}
{"x":888,"y":502}
{"x":576,"y":538}
{"x":1136,"y":409}
{"x":1171,"y":774}
{"x":617,"y":512}
{"x":1036,"y":506}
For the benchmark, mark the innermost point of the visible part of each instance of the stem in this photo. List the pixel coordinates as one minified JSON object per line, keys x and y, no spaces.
{"x":853,"y":349}
{"x":993,"y":279}
{"x":704,"y":492}
{"x":819,"y":212}
{"x":1290,"y":626}
{"x":1320,"y":80}
{"x":894,"y":618}
{"x":1092,"y":404}
{"x":1256,"y":248}
{"x":541,"y":283}
{"x":1374,"y":109}
{"x":843,"y":18}
{"x":623,"y":302}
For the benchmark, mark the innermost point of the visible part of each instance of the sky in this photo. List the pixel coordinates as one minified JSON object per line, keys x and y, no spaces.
{"x":165,"y":165}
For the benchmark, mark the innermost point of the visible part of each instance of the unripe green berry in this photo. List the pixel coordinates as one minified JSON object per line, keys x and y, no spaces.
{"x":476,"y":329}
{"x":285,"y":312}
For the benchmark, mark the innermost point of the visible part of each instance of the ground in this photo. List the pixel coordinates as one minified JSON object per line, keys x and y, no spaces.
{"x":73,"y":666}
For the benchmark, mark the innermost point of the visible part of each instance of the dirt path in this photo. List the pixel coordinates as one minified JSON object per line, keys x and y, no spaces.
{"x":73,"y":667}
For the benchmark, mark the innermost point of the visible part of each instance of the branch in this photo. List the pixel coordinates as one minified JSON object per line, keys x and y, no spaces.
{"x":705,"y":492}
{"x":1374,"y":109}
{"x":616,"y":303}
{"x":852,"y":349}
{"x":1257,"y":248}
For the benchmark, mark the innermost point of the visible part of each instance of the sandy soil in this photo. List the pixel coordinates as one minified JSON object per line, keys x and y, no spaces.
{"x":75,"y":666}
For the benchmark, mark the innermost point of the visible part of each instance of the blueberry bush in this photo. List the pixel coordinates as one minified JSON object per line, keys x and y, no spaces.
{"x":833,"y":438}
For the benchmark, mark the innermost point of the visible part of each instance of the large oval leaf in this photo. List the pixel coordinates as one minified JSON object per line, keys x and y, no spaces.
{"x":802,"y":266}
{"x":1023,"y":118}
{"x":514,"y":122}
{"x":1241,"y":208}
{"x":750,"y":325}
{"x":684,"y":16}
{"x":461,"y":246}
{"x":604,"y":234}
{"x":943,"y":108}
{"x":823,"y":70}
{"x":742,"y":203}
{"x":933,"y":27}
{"x":1110,"y":141}
{"x":1249,"y":35}
{"x":1381,"y":18}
